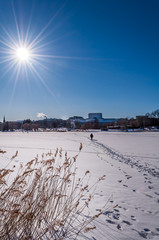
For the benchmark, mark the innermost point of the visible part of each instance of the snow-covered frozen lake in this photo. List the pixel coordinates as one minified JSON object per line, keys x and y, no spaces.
{"x":130,"y":162}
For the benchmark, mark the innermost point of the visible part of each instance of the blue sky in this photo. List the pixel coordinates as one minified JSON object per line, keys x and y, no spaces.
{"x":95,"y":56}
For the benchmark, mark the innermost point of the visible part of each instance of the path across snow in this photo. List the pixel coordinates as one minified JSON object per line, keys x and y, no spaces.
{"x":130,"y":162}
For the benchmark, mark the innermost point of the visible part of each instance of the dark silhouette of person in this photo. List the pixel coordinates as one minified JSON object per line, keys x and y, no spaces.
{"x":91,"y":136}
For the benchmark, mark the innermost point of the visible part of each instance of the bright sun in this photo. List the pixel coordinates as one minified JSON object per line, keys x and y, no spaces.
{"x":22,"y":54}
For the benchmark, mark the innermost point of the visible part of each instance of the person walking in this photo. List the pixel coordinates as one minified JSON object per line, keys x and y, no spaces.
{"x":91,"y":136}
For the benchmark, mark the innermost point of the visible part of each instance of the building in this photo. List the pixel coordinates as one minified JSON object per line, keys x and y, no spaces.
{"x":94,"y":120}
{"x":92,"y":117}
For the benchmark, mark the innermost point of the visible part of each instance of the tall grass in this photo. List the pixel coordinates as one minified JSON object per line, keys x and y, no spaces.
{"x":46,"y":200}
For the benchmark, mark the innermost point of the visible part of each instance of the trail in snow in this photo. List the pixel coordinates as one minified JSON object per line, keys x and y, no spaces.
{"x":154,"y":171}
{"x":132,"y":220}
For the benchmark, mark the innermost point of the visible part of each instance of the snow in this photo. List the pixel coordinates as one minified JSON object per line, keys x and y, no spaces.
{"x":130,"y":162}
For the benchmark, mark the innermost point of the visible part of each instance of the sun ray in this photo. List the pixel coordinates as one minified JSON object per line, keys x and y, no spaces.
{"x":5,"y":51}
{"x":29,"y":24}
{"x":16,"y":72}
{"x":50,"y":42}
{"x":35,"y":42}
{"x":44,"y":29}
{"x":42,"y":81}
{"x":12,"y":39}
{"x":7,"y":60}
{"x":37,"y":63}
{"x":8,"y":69}
{"x":46,"y":86}
{"x":41,"y":46}
{"x":16,"y":23}
{"x":7,"y":45}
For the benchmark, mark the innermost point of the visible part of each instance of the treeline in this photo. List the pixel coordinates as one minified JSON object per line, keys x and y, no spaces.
{"x":138,"y":122}
{"x":149,"y":120}
{"x":28,"y":125}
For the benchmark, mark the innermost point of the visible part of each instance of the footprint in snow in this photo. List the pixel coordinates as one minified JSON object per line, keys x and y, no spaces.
{"x":116,"y":216}
{"x":146,"y":230}
{"x":119,"y":181}
{"x":127,"y":222}
{"x":147,"y":195}
{"x":143,"y":234}
{"x":125,"y":185}
{"x":157,"y":193}
{"x":133,"y":218}
{"x":119,"y":227}
{"x":147,"y":234}
{"x":116,"y":210}
{"x":128,"y":176}
{"x":108,"y":213}
{"x":150,"y":212}
{"x":110,"y":221}
{"x":150,"y":182}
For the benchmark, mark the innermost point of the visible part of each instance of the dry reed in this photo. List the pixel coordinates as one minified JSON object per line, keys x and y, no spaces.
{"x":45,"y":200}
